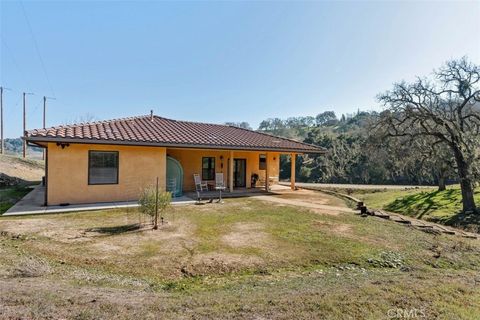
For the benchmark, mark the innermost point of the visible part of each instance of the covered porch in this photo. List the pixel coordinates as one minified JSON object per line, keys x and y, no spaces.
{"x":242,"y":171}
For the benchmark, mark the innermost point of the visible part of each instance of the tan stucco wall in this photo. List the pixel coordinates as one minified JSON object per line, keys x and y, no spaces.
{"x":67,"y":175}
{"x":191,"y":161}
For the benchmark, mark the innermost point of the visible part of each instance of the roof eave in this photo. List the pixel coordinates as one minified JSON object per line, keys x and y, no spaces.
{"x":171,"y":145}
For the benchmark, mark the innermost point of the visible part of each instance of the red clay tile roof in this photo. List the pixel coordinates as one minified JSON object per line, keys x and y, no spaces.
{"x":160,"y":131}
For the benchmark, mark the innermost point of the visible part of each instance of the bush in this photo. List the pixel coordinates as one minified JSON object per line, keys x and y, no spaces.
{"x":147,"y":201}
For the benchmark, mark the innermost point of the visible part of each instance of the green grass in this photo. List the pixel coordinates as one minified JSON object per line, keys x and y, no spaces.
{"x":289,"y":263}
{"x":11,"y":195}
{"x":432,"y":205}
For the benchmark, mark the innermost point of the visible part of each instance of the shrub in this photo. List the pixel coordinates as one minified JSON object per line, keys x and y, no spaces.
{"x":148,"y":200}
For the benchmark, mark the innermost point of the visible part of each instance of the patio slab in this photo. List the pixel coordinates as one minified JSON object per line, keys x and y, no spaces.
{"x":32,"y":204}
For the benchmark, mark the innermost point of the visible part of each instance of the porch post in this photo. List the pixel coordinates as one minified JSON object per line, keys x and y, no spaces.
{"x":292,"y":171}
{"x":267,"y":178}
{"x":230,"y":172}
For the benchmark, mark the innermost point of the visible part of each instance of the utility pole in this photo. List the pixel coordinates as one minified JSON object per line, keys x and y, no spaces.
{"x":44,"y":117}
{"x":2,"y":140}
{"x":44,"y":109}
{"x":24,"y":125}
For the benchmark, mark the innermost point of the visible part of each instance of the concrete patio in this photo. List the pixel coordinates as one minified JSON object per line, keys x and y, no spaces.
{"x":33,"y":202}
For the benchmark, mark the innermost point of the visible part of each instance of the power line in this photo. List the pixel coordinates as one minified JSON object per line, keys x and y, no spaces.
{"x":19,"y":69}
{"x":37,"y":49}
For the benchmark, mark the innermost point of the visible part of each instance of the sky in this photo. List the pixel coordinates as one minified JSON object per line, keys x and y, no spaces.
{"x":220,"y":61}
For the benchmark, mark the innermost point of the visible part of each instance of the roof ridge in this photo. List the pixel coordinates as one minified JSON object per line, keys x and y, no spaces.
{"x":195,"y":122}
{"x":80,"y":124}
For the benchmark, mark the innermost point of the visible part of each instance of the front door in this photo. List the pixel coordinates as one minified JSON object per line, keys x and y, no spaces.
{"x":239,"y":173}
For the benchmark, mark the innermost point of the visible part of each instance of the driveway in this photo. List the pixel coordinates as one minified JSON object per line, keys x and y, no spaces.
{"x":316,"y":201}
{"x":353,"y":186}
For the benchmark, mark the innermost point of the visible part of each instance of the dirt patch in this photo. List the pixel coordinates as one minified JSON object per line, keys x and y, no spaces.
{"x":312,"y":196}
{"x":26,"y":226}
{"x":338,"y":228}
{"x":219,"y":263}
{"x":55,"y":229}
{"x":246,"y":235}
{"x":313,"y":204}
{"x":28,"y":267}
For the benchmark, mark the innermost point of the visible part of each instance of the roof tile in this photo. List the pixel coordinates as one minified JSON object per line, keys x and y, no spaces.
{"x":165,"y":132}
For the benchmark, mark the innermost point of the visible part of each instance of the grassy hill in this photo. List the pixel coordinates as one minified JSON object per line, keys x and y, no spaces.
{"x":29,"y":170}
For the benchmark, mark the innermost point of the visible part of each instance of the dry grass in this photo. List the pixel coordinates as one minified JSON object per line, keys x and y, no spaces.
{"x":25,"y":169}
{"x":244,"y":259}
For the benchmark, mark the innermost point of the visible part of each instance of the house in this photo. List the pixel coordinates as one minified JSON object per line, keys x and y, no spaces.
{"x":113,"y":160}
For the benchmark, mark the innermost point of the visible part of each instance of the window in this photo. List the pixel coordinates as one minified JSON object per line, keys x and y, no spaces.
{"x":102,"y":167}
{"x":208,"y":168}
{"x":262,"y":162}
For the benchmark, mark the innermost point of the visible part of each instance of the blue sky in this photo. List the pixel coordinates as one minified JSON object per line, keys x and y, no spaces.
{"x":220,"y":61}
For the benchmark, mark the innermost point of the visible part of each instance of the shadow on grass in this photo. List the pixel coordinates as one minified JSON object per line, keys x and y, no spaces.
{"x":469,"y":222}
{"x":417,"y":205}
{"x":437,"y":206}
{"x":116,"y":229}
{"x":424,"y":203}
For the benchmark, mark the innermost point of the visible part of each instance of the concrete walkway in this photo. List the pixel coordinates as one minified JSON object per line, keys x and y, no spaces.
{"x":32,"y":203}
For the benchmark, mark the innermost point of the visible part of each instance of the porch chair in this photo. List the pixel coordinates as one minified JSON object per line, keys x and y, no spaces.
{"x":219,"y":185}
{"x":200,"y":186}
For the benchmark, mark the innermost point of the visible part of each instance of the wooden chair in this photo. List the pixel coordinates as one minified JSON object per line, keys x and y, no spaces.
{"x":219,"y":185}
{"x":200,"y":186}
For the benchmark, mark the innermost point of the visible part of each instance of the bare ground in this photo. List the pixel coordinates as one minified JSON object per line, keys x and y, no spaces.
{"x":315,"y":201}
{"x":247,"y":235}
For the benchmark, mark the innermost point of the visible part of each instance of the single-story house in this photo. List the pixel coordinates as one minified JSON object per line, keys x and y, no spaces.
{"x":113,"y":160}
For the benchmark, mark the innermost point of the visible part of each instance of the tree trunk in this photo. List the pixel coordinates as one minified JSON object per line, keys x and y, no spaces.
{"x":441,"y":183}
{"x":466,"y":183}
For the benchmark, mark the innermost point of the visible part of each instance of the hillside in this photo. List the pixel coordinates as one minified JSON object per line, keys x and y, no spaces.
{"x":28,"y":170}
{"x":16,"y":177}
{"x":14,"y":147}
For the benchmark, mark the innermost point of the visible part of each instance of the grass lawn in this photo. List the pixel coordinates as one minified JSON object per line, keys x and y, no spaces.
{"x":437,"y":206}
{"x":11,"y":195}
{"x":244,"y":259}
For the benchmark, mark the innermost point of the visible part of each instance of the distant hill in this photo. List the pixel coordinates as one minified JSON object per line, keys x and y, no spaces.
{"x":14,"y":147}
